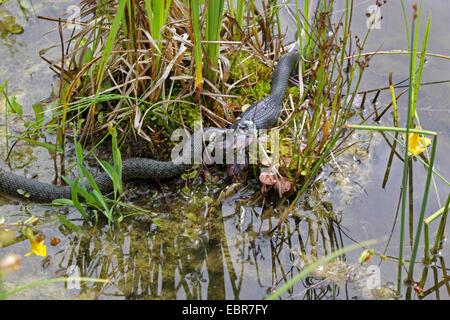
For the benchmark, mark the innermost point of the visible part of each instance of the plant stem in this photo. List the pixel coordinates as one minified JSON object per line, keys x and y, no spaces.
{"x":422,"y":210}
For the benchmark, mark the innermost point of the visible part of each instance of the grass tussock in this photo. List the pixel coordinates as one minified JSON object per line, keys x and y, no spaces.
{"x":160,"y":57}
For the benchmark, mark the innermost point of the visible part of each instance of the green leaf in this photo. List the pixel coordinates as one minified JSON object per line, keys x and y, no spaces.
{"x":87,"y":56}
{"x":68,"y":224}
{"x":112,"y":36}
{"x":63,"y":201}
{"x":76,"y":202}
{"x":192,"y":174}
{"x":80,"y":189}
{"x":100,"y":198}
{"x":117,"y":157}
{"x":48,"y":146}
{"x":113,"y":175}
{"x":14,"y":106}
{"x":197,"y":42}
{"x":38,"y":113}
{"x":90,"y":179}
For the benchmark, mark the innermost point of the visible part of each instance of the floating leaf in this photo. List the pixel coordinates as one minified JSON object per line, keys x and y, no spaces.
{"x":23,"y":193}
{"x":6,"y":236}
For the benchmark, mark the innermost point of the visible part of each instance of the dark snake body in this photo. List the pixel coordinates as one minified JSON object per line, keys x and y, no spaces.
{"x":263,"y":114}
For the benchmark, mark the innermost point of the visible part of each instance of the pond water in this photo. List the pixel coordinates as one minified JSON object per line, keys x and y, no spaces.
{"x":186,"y":256}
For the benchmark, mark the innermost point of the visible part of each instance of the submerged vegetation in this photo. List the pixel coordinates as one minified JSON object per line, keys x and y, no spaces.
{"x":133,"y":71}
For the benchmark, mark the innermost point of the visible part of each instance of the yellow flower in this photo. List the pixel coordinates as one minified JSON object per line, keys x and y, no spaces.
{"x":416,"y":143}
{"x":37,"y":248}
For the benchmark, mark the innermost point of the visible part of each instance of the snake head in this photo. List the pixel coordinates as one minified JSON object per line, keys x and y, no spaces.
{"x":245,"y":125}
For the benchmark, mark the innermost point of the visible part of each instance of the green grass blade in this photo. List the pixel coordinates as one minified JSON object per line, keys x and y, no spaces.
{"x":157,"y":13}
{"x":409,"y":124}
{"x":422,"y":60}
{"x":48,"y":146}
{"x":214,"y":13}
{"x":412,"y":68}
{"x":422,"y":210}
{"x":81,"y":190}
{"x":90,"y":179}
{"x":117,"y":160}
{"x":440,"y":232}
{"x":195,"y":21}
{"x":113,"y":175}
{"x":48,"y":281}
{"x":406,"y":24}
{"x":76,"y":202}
{"x":101,"y":200}
{"x":395,"y":129}
{"x":112,"y":36}
{"x":68,"y":224}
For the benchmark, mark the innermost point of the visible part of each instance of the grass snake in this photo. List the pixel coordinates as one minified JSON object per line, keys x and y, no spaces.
{"x":263,"y":114}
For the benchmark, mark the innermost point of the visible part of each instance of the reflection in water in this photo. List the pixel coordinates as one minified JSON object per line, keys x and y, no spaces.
{"x":183,"y":252}
{"x":186,"y":255}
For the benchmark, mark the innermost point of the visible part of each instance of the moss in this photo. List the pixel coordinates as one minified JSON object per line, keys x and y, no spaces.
{"x":294,"y":91}
{"x":256,"y":86}
{"x":172,"y":120}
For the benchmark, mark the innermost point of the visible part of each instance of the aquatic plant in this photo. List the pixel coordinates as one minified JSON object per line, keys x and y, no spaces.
{"x":414,"y":145}
{"x":85,"y":189}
